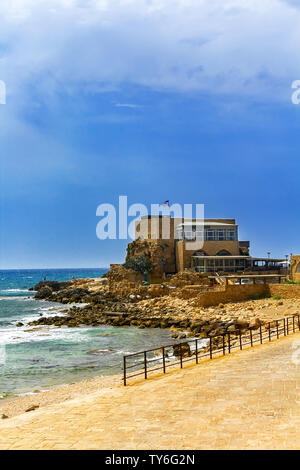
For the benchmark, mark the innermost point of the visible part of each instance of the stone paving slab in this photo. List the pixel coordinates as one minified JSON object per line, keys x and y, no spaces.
{"x":248,"y":400}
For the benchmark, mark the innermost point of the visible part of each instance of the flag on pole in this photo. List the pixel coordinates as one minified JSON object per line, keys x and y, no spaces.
{"x":166,"y":203}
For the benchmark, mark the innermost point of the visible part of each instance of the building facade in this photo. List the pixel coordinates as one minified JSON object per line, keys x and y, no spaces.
{"x":205,"y":245}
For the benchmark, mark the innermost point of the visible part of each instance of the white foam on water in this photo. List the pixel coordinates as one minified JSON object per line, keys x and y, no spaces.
{"x":46,"y":314}
{"x":2,"y":355}
{"x":15,"y":290}
{"x":30,"y":334}
{"x":20,"y":298}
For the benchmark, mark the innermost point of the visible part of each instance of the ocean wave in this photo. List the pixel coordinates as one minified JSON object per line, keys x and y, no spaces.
{"x":15,"y":290}
{"x":31,"y":334}
{"x":19,"y":298}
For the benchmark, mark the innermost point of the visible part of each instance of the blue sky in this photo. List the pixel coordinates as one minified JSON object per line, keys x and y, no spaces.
{"x":182,"y":100}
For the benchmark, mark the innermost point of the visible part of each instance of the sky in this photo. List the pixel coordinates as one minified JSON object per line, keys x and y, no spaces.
{"x":180,"y":100}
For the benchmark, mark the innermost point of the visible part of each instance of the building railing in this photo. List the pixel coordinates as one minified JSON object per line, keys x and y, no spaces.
{"x":144,"y":363}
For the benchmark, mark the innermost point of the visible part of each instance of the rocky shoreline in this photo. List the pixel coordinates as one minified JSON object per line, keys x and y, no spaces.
{"x":117,"y":303}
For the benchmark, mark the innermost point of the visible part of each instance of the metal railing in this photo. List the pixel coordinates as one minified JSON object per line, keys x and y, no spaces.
{"x":160,"y":359}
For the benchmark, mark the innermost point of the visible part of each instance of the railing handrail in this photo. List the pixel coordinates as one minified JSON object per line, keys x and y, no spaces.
{"x":252,"y":333}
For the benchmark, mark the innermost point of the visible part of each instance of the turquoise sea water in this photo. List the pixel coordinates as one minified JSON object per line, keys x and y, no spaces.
{"x":49,"y":356}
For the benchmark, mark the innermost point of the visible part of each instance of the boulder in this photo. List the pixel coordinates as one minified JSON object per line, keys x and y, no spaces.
{"x":255,"y":323}
{"x":43,"y":293}
{"x":231,"y":329}
{"x":242,"y":322}
{"x":185,"y":350}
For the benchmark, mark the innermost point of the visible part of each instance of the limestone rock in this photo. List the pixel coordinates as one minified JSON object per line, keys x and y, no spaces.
{"x":242,"y":322}
{"x":255,"y":323}
{"x":184,"y":348}
{"x":32,"y":408}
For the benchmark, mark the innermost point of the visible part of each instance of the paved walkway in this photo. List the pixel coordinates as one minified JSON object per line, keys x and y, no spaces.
{"x":247,"y":400}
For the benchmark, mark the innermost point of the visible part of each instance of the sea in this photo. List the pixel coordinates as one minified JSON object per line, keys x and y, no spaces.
{"x":35,"y":359}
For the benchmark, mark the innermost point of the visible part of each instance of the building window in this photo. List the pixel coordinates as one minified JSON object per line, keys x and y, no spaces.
{"x":229,"y":263}
{"x":210,"y":235}
{"x":240,"y":263}
{"x":231,"y":235}
{"x":179,"y":234}
{"x":200,"y":235}
{"x":221,"y":234}
{"x":189,"y":235}
{"x":219,"y":263}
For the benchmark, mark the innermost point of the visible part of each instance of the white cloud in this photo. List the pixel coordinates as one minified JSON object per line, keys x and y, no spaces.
{"x":127,"y":105}
{"x":229,"y":46}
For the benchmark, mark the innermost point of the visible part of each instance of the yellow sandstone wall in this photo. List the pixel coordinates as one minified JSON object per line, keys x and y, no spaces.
{"x":286,"y":291}
{"x":295,"y":267}
{"x":231,"y":294}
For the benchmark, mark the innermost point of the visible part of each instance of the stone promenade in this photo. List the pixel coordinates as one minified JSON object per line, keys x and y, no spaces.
{"x":248,"y":400}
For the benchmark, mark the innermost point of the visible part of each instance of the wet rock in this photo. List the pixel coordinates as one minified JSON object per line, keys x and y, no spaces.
{"x":183,"y":349}
{"x":181,"y":336}
{"x":43,"y":293}
{"x":54,"y":285}
{"x":99,"y":351}
{"x":19,"y":324}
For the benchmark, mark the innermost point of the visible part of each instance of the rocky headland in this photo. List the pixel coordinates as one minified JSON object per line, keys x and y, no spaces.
{"x":173,"y":304}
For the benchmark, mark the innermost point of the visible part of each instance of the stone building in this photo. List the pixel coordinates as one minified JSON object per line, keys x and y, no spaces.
{"x":295,"y":267}
{"x":205,"y":245}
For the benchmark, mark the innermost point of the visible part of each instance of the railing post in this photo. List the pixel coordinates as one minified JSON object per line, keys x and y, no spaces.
{"x":210,"y":348}
{"x":196,"y":343}
{"x":287,"y":325}
{"x":251,"y":339}
{"x":164,"y":360}
{"x":180,"y":351}
{"x":293,"y":323}
{"x":224,"y":350}
{"x":145,"y":363}
{"x":277,"y":329}
{"x":241,"y":344}
{"x":284,"y":331}
{"x":299,"y":322}
{"x":124,"y":370}
{"x":260,"y":334}
{"x":228,"y":343}
{"x":269,"y":331}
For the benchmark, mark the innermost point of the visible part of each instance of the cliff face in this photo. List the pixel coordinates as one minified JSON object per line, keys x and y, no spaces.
{"x":159,"y":252}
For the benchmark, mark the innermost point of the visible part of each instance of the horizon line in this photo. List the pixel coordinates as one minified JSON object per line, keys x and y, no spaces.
{"x":48,"y":269}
